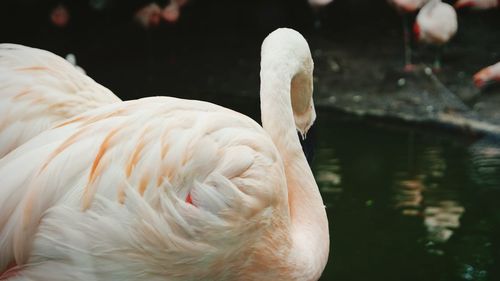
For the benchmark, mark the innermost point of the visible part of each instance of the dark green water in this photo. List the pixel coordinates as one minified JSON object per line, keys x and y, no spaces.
{"x":408,"y":205}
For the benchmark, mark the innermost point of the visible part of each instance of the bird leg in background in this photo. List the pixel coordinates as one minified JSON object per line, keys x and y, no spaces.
{"x":407,"y":44}
{"x":437,"y":58}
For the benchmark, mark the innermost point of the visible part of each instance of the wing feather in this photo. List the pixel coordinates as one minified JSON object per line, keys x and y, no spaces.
{"x":110,"y":186}
{"x":38,"y":90}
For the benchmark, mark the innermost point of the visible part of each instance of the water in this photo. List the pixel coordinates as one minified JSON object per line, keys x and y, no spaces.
{"x":408,"y":205}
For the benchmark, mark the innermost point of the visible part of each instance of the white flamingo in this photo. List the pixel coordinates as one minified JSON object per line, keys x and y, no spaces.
{"x":477,"y":4}
{"x":487,"y":75}
{"x":38,"y":90}
{"x":170,"y":189}
{"x":436,"y":24}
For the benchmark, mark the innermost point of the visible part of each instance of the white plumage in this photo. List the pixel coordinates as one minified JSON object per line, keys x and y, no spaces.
{"x":169,"y":189}
{"x":436,"y":23}
{"x":39,"y":89}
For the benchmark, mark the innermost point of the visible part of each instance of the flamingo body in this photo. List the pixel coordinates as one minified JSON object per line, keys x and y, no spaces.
{"x":319,"y":3}
{"x":407,"y":6}
{"x":149,"y":15}
{"x":172,"y":11}
{"x":169,"y":189}
{"x":39,"y":89}
{"x":477,"y":4}
{"x":436,"y":23}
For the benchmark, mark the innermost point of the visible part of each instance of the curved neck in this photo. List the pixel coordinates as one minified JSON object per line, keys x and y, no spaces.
{"x":309,"y":226}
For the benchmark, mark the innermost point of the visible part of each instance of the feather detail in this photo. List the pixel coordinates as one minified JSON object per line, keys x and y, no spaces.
{"x":38,"y":90}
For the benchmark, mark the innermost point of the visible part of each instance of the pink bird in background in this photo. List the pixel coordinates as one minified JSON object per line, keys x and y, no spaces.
{"x":172,"y":11}
{"x":436,"y":24}
{"x":152,"y":14}
{"x":487,"y":76}
{"x":161,"y":188}
{"x":60,"y":16}
{"x":477,"y":4}
{"x":149,"y":15}
{"x":408,"y":6}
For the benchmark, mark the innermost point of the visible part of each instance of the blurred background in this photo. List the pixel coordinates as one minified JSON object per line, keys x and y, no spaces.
{"x":408,"y":160}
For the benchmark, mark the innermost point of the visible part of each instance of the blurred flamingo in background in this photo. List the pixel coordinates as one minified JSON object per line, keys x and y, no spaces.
{"x":172,"y":11}
{"x":477,"y":4}
{"x":149,"y":15}
{"x":152,"y":14}
{"x":60,"y":16}
{"x":169,"y":189}
{"x":405,"y":7}
{"x":487,"y":76}
{"x":39,"y":90}
{"x":436,"y":24}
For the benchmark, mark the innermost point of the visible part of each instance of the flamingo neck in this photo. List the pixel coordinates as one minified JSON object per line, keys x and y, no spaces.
{"x":308,"y":233}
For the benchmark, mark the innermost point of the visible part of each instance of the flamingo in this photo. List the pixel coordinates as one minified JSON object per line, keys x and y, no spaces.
{"x":38,"y":90}
{"x":436,"y":24}
{"x":477,"y":4}
{"x":60,"y":16}
{"x":149,"y":15}
{"x":172,"y":11}
{"x":487,"y":75}
{"x":162,"y":188}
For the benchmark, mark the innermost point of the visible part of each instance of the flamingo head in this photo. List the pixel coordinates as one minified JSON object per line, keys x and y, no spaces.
{"x":302,"y":103}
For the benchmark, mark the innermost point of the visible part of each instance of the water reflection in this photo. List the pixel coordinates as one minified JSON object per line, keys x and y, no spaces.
{"x":442,"y":219}
{"x":424,"y":194}
{"x":408,"y":205}
{"x":328,"y":174}
{"x":408,"y":195}
{"x":485,"y":162}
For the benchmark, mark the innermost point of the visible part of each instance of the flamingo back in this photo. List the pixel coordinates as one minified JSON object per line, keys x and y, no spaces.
{"x":148,"y":189}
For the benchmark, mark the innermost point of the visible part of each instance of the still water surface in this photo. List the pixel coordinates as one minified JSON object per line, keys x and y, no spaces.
{"x":408,"y":204}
